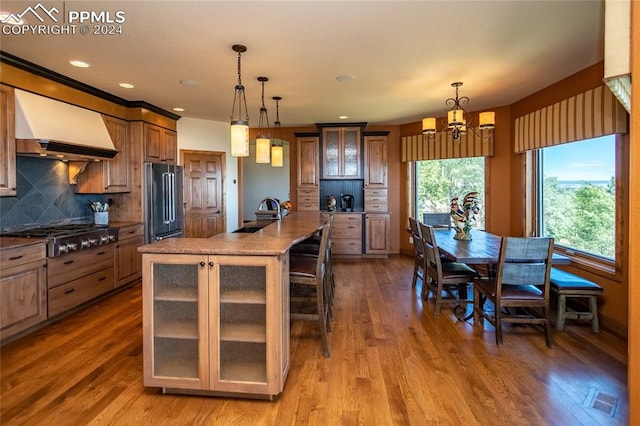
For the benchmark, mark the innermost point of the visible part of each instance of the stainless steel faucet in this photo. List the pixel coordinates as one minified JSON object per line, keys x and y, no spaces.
{"x":268,"y":203}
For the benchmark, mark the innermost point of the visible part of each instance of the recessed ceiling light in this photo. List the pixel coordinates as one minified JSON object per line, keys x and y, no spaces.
{"x":79,"y":64}
{"x":127,"y":85}
{"x":178,"y":109}
{"x":345,"y":77}
{"x":14,"y":18}
{"x":343,"y":117}
{"x":189,"y":83}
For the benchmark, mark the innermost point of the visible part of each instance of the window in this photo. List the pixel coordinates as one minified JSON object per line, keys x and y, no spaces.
{"x":577,"y":196}
{"x":438,"y":181}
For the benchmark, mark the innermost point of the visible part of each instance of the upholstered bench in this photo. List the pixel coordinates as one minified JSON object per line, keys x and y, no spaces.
{"x":567,"y":285}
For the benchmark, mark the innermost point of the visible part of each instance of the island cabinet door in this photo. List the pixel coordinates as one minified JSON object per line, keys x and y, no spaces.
{"x":246,"y":323}
{"x":175,"y":320}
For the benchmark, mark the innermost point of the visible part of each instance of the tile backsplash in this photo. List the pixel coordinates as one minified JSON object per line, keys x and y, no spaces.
{"x":44,"y":196}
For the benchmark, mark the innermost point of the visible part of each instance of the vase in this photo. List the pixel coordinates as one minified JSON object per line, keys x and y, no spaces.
{"x":463,"y":231}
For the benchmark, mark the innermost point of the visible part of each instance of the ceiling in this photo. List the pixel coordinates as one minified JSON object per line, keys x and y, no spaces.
{"x":402,"y":55}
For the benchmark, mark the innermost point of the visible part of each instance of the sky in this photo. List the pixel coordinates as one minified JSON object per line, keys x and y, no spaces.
{"x":584,"y":161}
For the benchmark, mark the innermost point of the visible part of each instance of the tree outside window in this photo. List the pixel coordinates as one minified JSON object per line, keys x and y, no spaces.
{"x":438,"y":181}
{"x":578,"y":199}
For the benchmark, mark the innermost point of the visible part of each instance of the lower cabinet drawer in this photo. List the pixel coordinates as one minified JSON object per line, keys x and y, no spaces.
{"x":308,"y":205}
{"x":78,"y":291}
{"x":346,"y":246}
{"x":64,"y":268}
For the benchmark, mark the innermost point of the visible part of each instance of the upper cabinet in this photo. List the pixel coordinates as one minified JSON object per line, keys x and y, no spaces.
{"x":375,"y":161}
{"x":161,"y":145}
{"x":341,"y":153}
{"x":308,"y":162}
{"x":8,"y":142}
{"x":110,"y":176}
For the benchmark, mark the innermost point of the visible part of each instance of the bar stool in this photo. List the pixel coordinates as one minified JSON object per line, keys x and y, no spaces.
{"x":311,"y":247}
{"x":308,"y":278}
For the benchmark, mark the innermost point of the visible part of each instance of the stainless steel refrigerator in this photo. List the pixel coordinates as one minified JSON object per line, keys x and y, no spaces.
{"x":163,"y":207}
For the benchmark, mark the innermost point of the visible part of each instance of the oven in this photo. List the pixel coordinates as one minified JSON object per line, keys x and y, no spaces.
{"x":80,"y":262}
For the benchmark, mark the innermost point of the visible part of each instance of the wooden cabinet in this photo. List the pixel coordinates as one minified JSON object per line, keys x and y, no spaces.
{"x":376,"y":200}
{"x":341,"y":153}
{"x":74,"y":279}
{"x":23,"y":288}
{"x":378,"y":233}
{"x":7,"y":142}
{"x":110,"y":176}
{"x":161,"y":145}
{"x":375,"y":162}
{"x":308,"y":190}
{"x":308,"y":162}
{"x":127,"y":260}
{"x":346,"y":234}
{"x":215,"y":323}
{"x":376,"y":205}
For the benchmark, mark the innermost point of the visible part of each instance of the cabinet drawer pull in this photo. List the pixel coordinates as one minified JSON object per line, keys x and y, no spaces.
{"x":71,"y":290}
{"x":202,"y":264}
{"x":131,"y":232}
{"x":68,"y":262}
{"x":101,"y":253}
{"x":210,"y":264}
{"x":102,"y":278}
{"x":16,"y":257}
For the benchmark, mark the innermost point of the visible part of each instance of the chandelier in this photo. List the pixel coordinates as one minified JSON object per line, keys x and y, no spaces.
{"x":457,"y":119}
{"x":239,"y":123}
{"x":277,"y":149}
{"x":263,"y":143}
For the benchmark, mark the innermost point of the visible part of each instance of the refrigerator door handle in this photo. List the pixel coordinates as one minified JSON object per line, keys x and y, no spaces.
{"x":165,"y":197}
{"x":172,"y":199}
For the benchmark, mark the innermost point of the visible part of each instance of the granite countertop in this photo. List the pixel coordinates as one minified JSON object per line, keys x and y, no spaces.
{"x":272,"y":240}
{"x":123,"y":223}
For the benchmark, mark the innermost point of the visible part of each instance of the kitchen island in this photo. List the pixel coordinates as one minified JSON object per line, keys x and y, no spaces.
{"x":216,"y":310}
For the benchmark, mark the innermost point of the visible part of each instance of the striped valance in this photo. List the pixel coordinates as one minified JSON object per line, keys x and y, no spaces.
{"x":591,"y":114}
{"x":440,"y":146}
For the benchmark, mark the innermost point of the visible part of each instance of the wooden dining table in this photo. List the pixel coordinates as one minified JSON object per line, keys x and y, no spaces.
{"x":482,"y":249}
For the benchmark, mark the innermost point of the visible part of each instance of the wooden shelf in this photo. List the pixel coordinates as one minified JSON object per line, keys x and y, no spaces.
{"x":244,"y":296}
{"x":256,"y":333}
{"x":243,"y":372}
{"x":176,"y":330}
{"x":177,"y":367}
{"x":177,"y":295}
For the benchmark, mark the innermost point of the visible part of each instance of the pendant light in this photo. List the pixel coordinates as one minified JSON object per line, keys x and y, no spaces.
{"x":277,"y":150}
{"x":263,"y":143}
{"x":239,"y":124}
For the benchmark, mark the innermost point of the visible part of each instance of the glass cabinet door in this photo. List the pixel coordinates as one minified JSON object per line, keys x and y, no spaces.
{"x":175,"y":314}
{"x":351,"y":153}
{"x":332,"y":156}
{"x":242,"y":323}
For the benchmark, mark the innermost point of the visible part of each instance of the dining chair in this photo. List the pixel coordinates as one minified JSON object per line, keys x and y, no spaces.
{"x":437,"y":220}
{"x":418,"y":252}
{"x":450,"y":278}
{"x":309,"y":288}
{"x":519,"y":291}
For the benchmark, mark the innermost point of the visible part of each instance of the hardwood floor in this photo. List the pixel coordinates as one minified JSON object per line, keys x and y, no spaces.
{"x":392,"y":362}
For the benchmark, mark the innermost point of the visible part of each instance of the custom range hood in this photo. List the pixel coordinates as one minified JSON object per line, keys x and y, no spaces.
{"x":54,"y":129}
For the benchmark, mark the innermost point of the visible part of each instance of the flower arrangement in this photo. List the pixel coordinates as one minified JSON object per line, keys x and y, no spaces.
{"x":465,"y":215}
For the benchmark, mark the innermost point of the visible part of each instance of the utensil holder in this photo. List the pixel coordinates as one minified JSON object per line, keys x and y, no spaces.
{"x":101,"y":218}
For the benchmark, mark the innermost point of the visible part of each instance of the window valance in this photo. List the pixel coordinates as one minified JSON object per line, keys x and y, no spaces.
{"x":590,"y":114}
{"x":440,"y":147}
